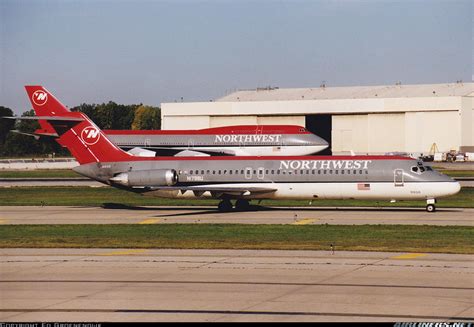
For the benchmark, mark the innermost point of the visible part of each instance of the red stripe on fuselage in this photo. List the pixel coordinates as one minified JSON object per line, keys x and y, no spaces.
{"x":237,"y":130}
{"x":253,"y":158}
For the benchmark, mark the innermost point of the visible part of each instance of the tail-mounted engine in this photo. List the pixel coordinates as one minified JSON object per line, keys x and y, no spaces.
{"x":156,"y":177}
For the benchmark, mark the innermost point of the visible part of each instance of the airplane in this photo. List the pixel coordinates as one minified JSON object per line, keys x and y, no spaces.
{"x":240,"y":140}
{"x":242,"y":179}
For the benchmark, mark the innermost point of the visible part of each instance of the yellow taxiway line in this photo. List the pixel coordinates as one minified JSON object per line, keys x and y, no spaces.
{"x":410,"y":256}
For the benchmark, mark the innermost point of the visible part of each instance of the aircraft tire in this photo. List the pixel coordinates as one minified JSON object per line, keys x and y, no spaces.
{"x":430,"y":208}
{"x":242,"y":205}
{"x":225,"y":206}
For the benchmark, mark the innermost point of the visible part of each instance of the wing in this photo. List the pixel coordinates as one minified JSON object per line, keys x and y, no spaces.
{"x":217,"y":191}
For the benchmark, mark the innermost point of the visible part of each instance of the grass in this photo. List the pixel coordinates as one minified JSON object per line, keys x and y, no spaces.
{"x":457,"y":173}
{"x":39,"y":173}
{"x":393,"y":238}
{"x":90,"y":196}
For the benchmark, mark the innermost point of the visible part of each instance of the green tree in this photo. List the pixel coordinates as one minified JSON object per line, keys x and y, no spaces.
{"x":5,"y":124}
{"x":147,"y":117}
{"x":24,"y":145}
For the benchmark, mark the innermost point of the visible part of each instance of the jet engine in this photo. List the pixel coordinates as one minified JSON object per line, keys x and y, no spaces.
{"x":156,"y":177}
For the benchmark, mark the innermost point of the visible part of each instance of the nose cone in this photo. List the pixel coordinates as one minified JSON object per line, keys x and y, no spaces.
{"x":453,"y":188}
{"x":319,"y":141}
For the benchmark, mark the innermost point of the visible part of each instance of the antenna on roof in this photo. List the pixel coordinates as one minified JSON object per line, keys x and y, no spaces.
{"x":323,"y":85}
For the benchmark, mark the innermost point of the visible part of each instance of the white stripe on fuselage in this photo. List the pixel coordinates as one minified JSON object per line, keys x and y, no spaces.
{"x":260,"y":150}
{"x":377,"y":191}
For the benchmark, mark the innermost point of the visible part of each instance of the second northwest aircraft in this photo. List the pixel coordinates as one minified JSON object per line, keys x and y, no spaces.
{"x":240,"y":140}
{"x":239,"y":178}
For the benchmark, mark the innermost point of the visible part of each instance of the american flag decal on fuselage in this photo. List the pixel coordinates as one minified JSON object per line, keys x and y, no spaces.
{"x":363,"y":187}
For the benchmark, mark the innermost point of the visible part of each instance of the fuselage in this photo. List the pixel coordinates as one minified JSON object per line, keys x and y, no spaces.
{"x":243,"y":140}
{"x":312,"y":177}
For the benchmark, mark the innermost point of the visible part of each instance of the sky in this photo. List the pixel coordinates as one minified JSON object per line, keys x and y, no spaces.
{"x":152,"y":52}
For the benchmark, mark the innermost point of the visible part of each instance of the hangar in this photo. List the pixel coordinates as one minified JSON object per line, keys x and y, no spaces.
{"x":363,"y":119}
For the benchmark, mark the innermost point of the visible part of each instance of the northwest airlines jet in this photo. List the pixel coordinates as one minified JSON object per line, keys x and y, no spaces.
{"x":240,"y":178}
{"x":243,"y":140}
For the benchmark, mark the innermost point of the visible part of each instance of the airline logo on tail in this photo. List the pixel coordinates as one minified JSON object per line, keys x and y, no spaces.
{"x":39,"y":97}
{"x":90,"y":135}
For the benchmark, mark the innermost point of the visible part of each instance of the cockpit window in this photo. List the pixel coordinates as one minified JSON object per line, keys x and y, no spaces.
{"x":420,"y":169}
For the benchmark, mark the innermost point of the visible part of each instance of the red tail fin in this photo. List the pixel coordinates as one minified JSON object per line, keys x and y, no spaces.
{"x":44,"y":104}
{"x":76,"y":131}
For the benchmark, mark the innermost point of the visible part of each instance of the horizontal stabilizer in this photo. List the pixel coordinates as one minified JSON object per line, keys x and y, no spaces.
{"x":50,"y":118}
{"x":36,"y":135}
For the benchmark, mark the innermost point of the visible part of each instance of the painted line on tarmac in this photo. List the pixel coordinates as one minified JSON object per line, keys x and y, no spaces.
{"x":126,"y":252}
{"x":304,"y":222}
{"x":410,"y":256}
{"x":149,"y":221}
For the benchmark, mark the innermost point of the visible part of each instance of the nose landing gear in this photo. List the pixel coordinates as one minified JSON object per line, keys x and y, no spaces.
{"x":430,"y":205}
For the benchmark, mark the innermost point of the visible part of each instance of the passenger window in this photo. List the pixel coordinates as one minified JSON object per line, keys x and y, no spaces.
{"x":191,"y":172}
{"x":278,"y":172}
{"x":414,"y":169}
{"x":330,"y":171}
{"x":337,"y":172}
{"x":360,"y":171}
{"x":230,"y":172}
{"x":273,"y":172}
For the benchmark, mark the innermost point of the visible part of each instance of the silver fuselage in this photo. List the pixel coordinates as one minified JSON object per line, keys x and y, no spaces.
{"x":309,"y":177}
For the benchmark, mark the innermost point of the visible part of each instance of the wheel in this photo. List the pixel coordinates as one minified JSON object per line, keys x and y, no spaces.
{"x":430,"y":208}
{"x":225,"y":206}
{"x":242,"y":205}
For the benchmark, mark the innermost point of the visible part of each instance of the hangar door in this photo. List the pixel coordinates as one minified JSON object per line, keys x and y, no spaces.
{"x":321,"y":125}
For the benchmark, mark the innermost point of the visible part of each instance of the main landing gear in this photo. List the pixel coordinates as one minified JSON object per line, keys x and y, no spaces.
{"x":225,"y":206}
{"x":240,"y":205}
{"x":430,"y":205}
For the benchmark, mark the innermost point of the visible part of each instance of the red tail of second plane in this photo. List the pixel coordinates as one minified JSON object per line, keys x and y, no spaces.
{"x":86,"y":142}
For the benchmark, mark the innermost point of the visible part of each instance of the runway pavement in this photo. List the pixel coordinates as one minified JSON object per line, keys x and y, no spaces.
{"x":120,"y":214}
{"x":230,"y":285}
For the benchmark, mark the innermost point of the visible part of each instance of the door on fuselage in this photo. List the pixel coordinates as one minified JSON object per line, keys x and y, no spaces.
{"x":398,"y":178}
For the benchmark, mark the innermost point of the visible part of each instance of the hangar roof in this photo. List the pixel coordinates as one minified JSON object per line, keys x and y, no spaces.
{"x":351,"y":92}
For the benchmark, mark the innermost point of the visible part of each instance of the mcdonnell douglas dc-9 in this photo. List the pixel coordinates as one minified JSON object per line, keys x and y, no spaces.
{"x":242,"y":179}
{"x":243,"y":140}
